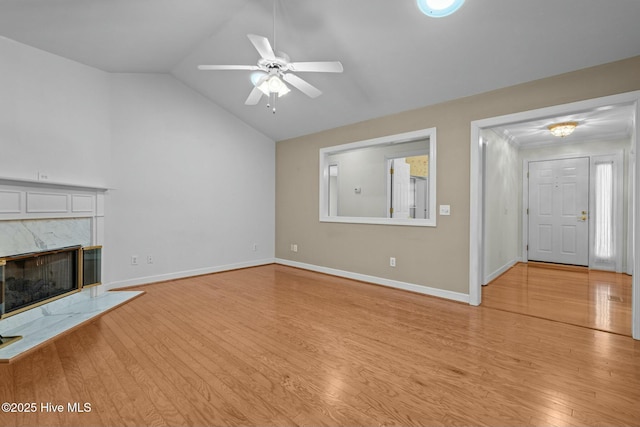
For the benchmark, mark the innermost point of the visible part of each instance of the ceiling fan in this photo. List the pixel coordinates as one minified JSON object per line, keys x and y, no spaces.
{"x":274,"y":69}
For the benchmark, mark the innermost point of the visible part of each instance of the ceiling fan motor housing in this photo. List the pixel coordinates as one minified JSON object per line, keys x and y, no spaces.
{"x":280,"y":63}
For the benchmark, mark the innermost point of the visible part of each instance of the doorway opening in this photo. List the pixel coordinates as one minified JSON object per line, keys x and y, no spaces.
{"x":484,"y":212}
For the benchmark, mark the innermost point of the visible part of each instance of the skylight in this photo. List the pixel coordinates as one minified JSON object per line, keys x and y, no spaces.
{"x":439,"y":8}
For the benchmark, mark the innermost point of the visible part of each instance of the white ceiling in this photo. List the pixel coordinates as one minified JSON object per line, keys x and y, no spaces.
{"x":598,"y":124}
{"x":395,"y":58}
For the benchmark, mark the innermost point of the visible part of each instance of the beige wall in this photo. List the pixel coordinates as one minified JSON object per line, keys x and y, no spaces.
{"x":437,"y":257}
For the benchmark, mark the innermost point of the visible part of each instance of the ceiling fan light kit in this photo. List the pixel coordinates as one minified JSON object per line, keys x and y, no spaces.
{"x":274,"y":85}
{"x":439,"y":8}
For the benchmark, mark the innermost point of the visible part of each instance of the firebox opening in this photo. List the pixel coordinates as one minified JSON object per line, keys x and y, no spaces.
{"x":30,"y":280}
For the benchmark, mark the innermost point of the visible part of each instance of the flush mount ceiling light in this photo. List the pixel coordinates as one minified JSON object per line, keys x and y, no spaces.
{"x":563,"y":129}
{"x":439,"y":8}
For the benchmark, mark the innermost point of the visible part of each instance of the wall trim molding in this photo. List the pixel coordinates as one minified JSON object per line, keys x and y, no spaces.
{"x":500,"y":271}
{"x":425,"y":290}
{"x":146,"y":280}
{"x":44,"y":183}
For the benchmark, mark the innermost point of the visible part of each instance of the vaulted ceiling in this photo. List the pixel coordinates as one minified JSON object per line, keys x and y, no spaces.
{"x":394,"y":58}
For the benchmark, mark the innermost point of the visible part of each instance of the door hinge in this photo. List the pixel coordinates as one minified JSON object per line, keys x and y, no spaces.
{"x":391,"y":171}
{"x":527,"y":211}
{"x":527,"y":248}
{"x":391,"y":211}
{"x":527,"y":175}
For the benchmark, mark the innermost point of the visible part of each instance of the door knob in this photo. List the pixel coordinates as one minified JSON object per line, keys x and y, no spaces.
{"x":582,"y":218}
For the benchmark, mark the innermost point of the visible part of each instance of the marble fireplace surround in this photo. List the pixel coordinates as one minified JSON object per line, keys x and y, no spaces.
{"x":40,"y":215}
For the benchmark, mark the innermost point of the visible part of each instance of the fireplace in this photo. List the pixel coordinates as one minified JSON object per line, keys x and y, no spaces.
{"x":55,"y":228}
{"x":33,"y":279}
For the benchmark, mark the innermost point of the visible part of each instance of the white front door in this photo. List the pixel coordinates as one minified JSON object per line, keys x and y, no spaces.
{"x":558,"y":211}
{"x":401,"y":187}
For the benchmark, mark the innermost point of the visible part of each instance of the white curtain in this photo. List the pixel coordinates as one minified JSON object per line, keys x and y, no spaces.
{"x":604,"y":248}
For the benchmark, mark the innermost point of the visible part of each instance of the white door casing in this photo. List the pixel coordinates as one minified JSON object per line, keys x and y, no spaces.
{"x":477,"y":197}
{"x":558,"y":211}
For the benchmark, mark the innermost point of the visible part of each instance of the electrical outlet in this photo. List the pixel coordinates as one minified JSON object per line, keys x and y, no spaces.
{"x":255,"y":247}
{"x":445,"y":210}
{"x":43,"y":176}
{"x":294,"y":247}
{"x":392,"y":262}
{"x":149,"y":259}
{"x":134,"y":259}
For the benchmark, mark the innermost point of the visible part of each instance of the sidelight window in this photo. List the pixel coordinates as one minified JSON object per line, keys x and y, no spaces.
{"x":603,"y":227}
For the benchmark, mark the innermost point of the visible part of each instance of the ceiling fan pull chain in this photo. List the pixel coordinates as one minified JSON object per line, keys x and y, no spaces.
{"x":272,"y":102}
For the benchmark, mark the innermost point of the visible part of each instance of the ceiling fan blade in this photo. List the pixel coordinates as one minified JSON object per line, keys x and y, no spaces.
{"x":302,"y":86}
{"x":318,"y":67}
{"x":227,"y":67}
{"x":254,"y":97}
{"x":263,"y":46}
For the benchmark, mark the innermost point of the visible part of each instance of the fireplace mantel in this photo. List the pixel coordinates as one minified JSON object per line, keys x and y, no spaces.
{"x":24,"y":199}
{"x":50,"y":184}
{"x":41,"y":215}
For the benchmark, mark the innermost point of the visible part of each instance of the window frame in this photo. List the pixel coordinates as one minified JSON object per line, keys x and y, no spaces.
{"x":406,"y":137}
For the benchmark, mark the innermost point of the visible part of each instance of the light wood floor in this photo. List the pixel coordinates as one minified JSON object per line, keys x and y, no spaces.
{"x":277,"y":346}
{"x":590,"y":298}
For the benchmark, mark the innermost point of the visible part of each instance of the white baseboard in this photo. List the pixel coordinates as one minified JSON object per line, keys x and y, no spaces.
{"x":426,"y":290}
{"x":500,"y":270}
{"x":183,"y":274}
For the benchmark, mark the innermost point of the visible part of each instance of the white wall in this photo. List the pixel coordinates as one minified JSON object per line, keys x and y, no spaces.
{"x":190,"y":184}
{"x":54,"y":117}
{"x":503,"y":189}
{"x":194,"y":187}
{"x":366,"y":168}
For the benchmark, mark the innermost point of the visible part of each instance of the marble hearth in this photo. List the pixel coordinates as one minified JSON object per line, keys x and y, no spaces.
{"x":41,"y":216}
{"x":40,"y":325}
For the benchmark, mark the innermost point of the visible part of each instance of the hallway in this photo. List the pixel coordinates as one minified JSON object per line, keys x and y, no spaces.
{"x":590,"y":298}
